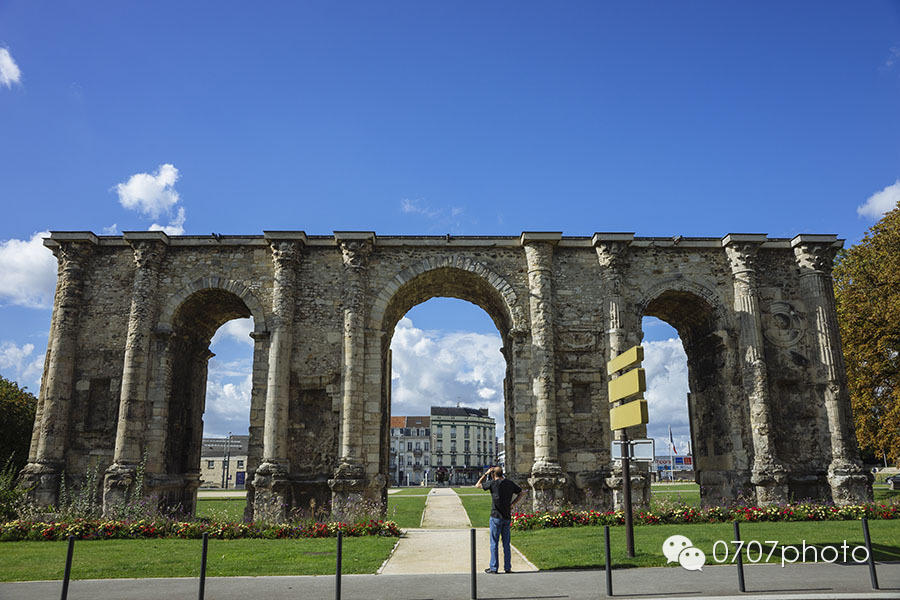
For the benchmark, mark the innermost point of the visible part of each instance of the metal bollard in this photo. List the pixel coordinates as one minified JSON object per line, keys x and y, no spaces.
{"x":68,"y":572}
{"x":474,"y":584}
{"x":740,"y":560}
{"x":337,"y":572}
{"x":609,"y":591}
{"x":203,"y":565}
{"x":872,"y":574}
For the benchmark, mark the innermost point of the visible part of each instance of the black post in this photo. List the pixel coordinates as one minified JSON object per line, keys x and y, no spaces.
{"x":740,"y":560}
{"x":626,"y":489}
{"x":337,"y":572}
{"x":68,"y":572}
{"x":872,"y":574}
{"x":203,"y":565}
{"x":472,"y":544}
{"x":608,"y":562}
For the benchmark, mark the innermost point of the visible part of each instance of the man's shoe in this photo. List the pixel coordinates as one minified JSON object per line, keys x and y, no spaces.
{"x":491,"y":572}
{"x":508,"y":571}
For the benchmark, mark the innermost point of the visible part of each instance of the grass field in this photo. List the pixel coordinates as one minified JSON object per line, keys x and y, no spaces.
{"x":221,"y":509}
{"x":406,"y":510}
{"x":689,"y":494}
{"x":582,"y":547}
{"x":110,"y":559}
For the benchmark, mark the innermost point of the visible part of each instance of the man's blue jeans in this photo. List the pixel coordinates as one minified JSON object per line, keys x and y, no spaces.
{"x":500,"y":527}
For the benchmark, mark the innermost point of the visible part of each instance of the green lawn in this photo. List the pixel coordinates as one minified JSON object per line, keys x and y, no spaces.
{"x":477,"y":505}
{"x":221,"y":509}
{"x":406,"y":510}
{"x":24,"y":561}
{"x":582,"y":547}
{"x":689,"y":493}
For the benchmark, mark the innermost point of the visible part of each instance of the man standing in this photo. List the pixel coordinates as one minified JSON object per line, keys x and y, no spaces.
{"x":502,"y":492}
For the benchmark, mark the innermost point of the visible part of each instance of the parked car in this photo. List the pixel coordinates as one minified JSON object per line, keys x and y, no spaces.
{"x":894,"y":482}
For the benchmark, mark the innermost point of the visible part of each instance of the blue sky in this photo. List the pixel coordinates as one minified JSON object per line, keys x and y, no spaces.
{"x":407,"y":118}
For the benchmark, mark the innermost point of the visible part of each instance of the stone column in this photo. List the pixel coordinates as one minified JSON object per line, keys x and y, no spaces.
{"x":612,"y":254}
{"x":42,"y":473}
{"x":272,"y":491}
{"x":349,"y":482}
{"x":768,"y":474}
{"x":547,"y":478}
{"x":850,"y":482}
{"x":149,"y":248}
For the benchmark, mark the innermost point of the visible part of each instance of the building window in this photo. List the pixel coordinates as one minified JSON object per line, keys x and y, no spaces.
{"x":210,"y":464}
{"x":467,"y":432}
{"x":467,"y":445}
{"x":426,"y":461}
{"x":240,"y":464}
{"x":426,"y":445}
{"x":409,"y":445}
{"x":427,"y":431}
{"x":453,"y":461}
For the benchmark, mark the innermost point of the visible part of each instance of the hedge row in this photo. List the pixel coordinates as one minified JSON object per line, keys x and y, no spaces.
{"x":679,"y":516}
{"x":83,"y":529}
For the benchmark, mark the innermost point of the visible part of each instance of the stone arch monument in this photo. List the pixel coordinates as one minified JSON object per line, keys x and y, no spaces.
{"x":125,"y":375}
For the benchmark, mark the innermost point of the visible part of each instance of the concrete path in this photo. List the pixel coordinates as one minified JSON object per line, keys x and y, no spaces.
{"x":444,"y":543}
{"x":764,"y":582}
{"x":221,"y":493}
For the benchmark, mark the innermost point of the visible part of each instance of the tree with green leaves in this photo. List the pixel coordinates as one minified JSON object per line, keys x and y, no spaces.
{"x":867,"y":290}
{"x":17,"y":406}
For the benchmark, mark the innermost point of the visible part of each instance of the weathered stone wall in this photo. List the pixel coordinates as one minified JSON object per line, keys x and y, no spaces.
{"x":125,"y":373}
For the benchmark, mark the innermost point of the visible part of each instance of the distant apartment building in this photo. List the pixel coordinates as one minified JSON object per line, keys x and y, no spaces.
{"x":464,"y":442}
{"x":223,"y":462}
{"x":410,"y":450}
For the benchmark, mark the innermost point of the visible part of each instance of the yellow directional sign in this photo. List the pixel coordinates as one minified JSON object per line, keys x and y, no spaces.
{"x":630,"y":385}
{"x":630,"y":358}
{"x":628,"y":415}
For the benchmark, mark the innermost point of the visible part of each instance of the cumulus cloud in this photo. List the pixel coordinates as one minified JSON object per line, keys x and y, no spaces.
{"x":667,"y":389}
{"x":153,"y":195}
{"x":9,"y":70}
{"x":227,"y":402}
{"x":434,"y":368}
{"x":21,"y":364}
{"x":29,"y":272}
{"x":111,"y":230}
{"x":880,"y":202}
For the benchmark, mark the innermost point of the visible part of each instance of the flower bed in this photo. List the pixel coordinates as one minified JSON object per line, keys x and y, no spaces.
{"x":83,"y":529}
{"x":683,"y":515}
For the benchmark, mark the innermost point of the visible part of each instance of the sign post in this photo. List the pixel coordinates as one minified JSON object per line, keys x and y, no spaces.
{"x":627,"y":390}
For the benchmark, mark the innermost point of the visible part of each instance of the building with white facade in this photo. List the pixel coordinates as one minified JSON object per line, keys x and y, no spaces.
{"x":223,"y":462}
{"x":410,"y":450}
{"x":464,"y":443}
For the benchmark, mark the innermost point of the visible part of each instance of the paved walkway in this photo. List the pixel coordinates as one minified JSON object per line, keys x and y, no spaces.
{"x":444,"y":543}
{"x":768,"y":582}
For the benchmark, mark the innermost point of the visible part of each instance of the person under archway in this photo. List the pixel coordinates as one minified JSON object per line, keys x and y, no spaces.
{"x":502,"y":491}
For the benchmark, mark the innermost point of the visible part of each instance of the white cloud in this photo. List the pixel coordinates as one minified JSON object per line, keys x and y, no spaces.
{"x":9,"y":70}
{"x":29,"y":272}
{"x":153,"y":195}
{"x":111,"y":230}
{"x":440,"y":216}
{"x":150,"y":194}
{"x":21,"y":364}
{"x":667,"y":387}
{"x":434,"y":368}
{"x":236,"y":329}
{"x":227,"y":403}
{"x":881,"y":202}
{"x":892,"y":59}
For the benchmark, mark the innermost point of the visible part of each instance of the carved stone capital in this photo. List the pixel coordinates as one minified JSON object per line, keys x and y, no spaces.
{"x":742,"y":257}
{"x":612,"y":254}
{"x":815,"y":258}
{"x":148,"y":254}
{"x":71,"y":256}
{"x":285,"y":253}
{"x":355,"y":253}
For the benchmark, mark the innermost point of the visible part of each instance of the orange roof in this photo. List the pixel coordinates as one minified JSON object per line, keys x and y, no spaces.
{"x":410,"y":421}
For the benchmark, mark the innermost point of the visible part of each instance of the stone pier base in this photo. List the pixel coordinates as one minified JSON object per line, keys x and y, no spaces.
{"x":548,"y":485}
{"x":640,"y":490}
{"x":117,"y":483}
{"x":850,"y":483}
{"x":770,"y":483}
{"x":272,"y":493}
{"x":348,"y":491}
{"x":42,"y":482}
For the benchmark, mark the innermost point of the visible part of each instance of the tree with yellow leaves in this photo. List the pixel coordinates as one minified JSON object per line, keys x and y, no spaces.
{"x":867,"y":290}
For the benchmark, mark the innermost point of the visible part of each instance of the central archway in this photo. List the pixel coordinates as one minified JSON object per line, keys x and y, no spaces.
{"x":470,"y":282}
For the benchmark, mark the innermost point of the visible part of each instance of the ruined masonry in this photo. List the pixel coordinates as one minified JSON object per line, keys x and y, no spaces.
{"x":125,"y":375}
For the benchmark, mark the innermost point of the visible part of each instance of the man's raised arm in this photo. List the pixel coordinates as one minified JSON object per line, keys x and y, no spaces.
{"x":481,"y":479}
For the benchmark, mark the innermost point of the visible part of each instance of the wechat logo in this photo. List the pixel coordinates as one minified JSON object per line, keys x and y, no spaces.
{"x":678,"y":548}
